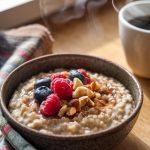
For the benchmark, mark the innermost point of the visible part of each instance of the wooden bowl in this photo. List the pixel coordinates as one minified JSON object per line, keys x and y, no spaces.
{"x":103,"y":140}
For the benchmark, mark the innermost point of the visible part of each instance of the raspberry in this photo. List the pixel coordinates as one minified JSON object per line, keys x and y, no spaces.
{"x":88,"y":80}
{"x":70,"y":83}
{"x":57,"y":75}
{"x":66,"y":80}
{"x":62,"y":88}
{"x":84,"y":73}
{"x":50,"y":106}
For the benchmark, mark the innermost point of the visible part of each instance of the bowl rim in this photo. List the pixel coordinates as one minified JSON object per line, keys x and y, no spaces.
{"x":126,"y":22}
{"x":72,"y":137}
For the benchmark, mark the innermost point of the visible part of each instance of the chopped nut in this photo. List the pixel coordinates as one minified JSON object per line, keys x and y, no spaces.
{"x":75,"y":103}
{"x":104,"y":102}
{"x":88,"y":86}
{"x":65,"y":102}
{"x":83,"y":100}
{"x":62,"y":111}
{"x":71,"y":111}
{"x":83,"y":91}
{"x":90,"y":93}
{"x":95,"y":86}
{"x":80,"y":91}
{"x":100,"y":103}
{"x":97,"y":95}
{"x":90,"y":103}
{"x":76,"y":83}
{"x":105,"y":90}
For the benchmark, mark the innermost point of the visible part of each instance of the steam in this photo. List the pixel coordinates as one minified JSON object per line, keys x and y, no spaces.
{"x":70,"y":9}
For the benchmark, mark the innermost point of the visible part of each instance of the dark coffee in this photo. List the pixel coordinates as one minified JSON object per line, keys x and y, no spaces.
{"x":141,"y":22}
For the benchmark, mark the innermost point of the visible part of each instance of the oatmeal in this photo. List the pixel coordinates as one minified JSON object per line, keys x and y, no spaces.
{"x":71,"y":102}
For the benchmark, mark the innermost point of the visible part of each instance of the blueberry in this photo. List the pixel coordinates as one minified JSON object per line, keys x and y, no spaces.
{"x":76,"y":74}
{"x":41,"y":93}
{"x":43,"y":82}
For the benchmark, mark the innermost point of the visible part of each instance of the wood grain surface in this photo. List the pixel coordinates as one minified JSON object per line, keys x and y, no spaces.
{"x":97,"y":34}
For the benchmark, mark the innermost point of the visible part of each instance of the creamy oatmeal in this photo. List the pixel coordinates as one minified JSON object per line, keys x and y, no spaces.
{"x":71,"y":102}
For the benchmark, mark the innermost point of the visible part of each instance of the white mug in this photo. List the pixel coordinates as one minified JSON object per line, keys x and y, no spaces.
{"x":135,"y":40}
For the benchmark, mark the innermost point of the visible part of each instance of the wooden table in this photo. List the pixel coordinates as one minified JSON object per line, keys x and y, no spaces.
{"x":100,"y":38}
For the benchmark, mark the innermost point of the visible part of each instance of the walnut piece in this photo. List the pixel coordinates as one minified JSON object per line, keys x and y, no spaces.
{"x":77,"y":83}
{"x":71,"y":111}
{"x":83,"y":91}
{"x":62,"y":111}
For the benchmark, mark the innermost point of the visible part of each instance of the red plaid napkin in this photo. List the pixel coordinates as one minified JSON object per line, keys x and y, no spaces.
{"x":16,"y":47}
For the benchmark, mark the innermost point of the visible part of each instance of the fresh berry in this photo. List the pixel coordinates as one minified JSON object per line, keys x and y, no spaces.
{"x":42,"y":82}
{"x":84,"y":73}
{"x":57,"y":75}
{"x":76,"y":74}
{"x":67,"y":81}
{"x":41,"y":93}
{"x":88,"y":80}
{"x":50,"y":106}
{"x":62,"y":88}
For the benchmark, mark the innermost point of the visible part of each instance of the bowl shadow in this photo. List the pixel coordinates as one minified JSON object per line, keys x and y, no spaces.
{"x":132,"y":142}
{"x":145,"y":85}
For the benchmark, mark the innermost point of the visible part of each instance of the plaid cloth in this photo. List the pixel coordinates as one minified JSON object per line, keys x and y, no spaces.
{"x":17,"y":46}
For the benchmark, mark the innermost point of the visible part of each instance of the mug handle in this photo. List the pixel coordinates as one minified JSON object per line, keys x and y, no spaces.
{"x":115,"y":7}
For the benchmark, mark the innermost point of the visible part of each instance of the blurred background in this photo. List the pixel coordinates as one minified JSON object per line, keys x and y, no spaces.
{"x":70,"y":21}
